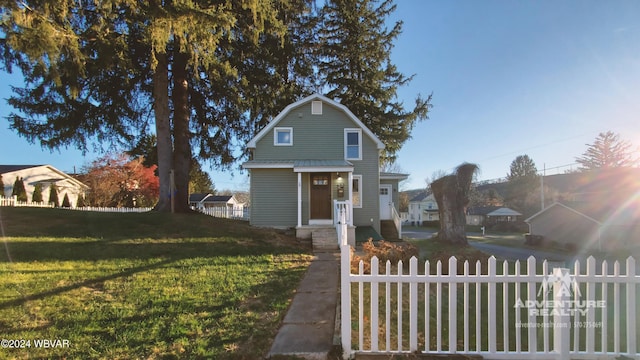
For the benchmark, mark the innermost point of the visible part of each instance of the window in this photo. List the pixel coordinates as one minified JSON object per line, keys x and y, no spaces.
{"x":356,"y":185}
{"x":316,"y":108}
{"x":352,"y":144}
{"x":320,"y":180}
{"x":384,"y":191}
{"x":283,"y":136}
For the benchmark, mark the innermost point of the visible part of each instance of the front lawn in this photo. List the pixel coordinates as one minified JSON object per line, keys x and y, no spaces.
{"x":125,"y":286}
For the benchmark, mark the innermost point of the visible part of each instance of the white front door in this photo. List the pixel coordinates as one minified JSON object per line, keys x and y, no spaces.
{"x":385,"y":202}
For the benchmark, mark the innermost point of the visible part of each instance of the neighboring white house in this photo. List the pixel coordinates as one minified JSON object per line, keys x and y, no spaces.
{"x":46,"y":175}
{"x":423,"y":207}
{"x":205,"y":201}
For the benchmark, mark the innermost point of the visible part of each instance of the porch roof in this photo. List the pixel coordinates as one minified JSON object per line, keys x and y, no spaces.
{"x":301,"y":165}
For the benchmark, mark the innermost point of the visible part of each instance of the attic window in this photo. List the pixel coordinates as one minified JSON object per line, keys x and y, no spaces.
{"x":316,"y":108}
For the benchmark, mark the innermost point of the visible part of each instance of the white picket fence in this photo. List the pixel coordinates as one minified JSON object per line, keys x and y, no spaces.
{"x":13,"y":201}
{"x":543,"y":313}
{"x":112,"y":209}
{"x":226,"y":212}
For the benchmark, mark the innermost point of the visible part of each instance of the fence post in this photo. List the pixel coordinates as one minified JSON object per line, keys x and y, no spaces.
{"x":561,"y":318}
{"x":345,"y":292}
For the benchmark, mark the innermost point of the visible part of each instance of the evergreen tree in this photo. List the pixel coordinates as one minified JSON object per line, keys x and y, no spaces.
{"x":53,"y":195}
{"x":1,"y":187}
{"x":37,"y":193}
{"x":199,"y":180}
{"x":92,"y":72}
{"x":522,"y":184}
{"x":19,"y":191}
{"x":65,"y":201}
{"x":607,"y":151}
{"x":80,"y":203}
{"x":355,"y":64}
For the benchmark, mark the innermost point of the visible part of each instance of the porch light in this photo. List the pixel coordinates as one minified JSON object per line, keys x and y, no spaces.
{"x":339,"y":176}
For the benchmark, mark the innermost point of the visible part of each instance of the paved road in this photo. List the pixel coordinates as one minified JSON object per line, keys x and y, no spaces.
{"x":516,"y":253}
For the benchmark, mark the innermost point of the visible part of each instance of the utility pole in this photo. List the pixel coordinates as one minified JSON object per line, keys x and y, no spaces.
{"x":544,"y":171}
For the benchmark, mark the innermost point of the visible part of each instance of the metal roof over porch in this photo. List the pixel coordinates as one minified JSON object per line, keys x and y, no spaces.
{"x":301,"y":165}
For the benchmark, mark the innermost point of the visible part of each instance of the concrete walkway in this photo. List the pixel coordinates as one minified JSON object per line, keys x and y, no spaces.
{"x":308,"y":328}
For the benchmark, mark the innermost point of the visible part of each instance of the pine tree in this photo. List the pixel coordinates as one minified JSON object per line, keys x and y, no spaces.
{"x":65,"y":201}
{"x":522,"y":183}
{"x":19,"y":190}
{"x":80,"y":203}
{"x":1,"y":187}
{"x":355,"y":64}
{"x":607,"y":151}
{"x":37,"y":193}
{"x":53,"y":195}
{"x":92,"y":72}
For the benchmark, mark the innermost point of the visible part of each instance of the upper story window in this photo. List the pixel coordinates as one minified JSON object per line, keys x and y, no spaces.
{"x":283,"y":136}
{"x":353,"y":144}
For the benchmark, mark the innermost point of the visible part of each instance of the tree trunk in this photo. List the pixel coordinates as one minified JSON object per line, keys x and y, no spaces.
{"x":181,"y":136}
{"x":452,"y":216}
{"x":163,"y":131}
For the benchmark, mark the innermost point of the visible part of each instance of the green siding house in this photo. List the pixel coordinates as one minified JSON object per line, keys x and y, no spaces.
{"x":310,"y":160}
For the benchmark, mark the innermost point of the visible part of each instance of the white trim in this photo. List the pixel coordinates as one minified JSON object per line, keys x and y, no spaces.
{"x":252,"y":143}
{"x":349,"y":131}
{"x":273,"y":165}
{"x":359,"y":178}
{"x":320,"y":222}
{"x":393,"y":176}
{"x":283,"y":130}
{"x":328,"y":169}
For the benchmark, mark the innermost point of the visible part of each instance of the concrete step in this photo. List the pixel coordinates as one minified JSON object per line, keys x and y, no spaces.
{"x":325,"y":239}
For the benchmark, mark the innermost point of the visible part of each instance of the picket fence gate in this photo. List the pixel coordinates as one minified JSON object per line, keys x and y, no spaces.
{"x":558,"y":314}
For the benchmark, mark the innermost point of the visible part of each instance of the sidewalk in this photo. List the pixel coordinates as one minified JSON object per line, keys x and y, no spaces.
{"x":308,"y":328}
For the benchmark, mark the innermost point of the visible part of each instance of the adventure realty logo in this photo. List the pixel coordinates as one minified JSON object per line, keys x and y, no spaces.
{"x":565,"y":300}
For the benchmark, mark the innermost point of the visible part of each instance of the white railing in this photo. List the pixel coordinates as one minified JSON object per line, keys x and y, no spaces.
{"x":539,"y":314}
{"x":397,"y":220}
{"x":13,"y":201}
{"x":340,"y":207}
{"x":342,"y":225}
{"x":112,"y":209}
{"x":226,"y":212}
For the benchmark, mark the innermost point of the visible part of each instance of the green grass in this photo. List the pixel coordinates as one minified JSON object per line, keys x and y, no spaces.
{"x":128,"y":286}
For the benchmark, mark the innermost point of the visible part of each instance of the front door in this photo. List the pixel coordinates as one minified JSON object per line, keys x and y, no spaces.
{"x":320,"y":196}
{"x":385,"y":202}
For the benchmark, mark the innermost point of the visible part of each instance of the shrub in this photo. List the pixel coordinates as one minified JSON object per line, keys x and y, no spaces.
{"x":80,"y":203}
{"x":53,"y":195}
{"x":37,"y":194}
{"x":384,"y":251}
{"x":19,"y":191}
{"x":65,"y":201}
{"x":431,"y":223}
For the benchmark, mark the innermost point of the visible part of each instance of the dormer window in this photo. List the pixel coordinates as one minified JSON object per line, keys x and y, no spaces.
{"x":283,"y":136}
{"x":353,"y":144}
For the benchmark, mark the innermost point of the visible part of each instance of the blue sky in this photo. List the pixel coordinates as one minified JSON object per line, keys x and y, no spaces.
{"x":541,"y":78}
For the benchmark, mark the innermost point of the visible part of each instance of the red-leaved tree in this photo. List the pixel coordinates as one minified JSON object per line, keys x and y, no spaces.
{"x":119,"y":181}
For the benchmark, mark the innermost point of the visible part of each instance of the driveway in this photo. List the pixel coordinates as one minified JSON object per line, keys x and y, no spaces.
{"x":517,"y":253}
{"x":416,"y":232}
